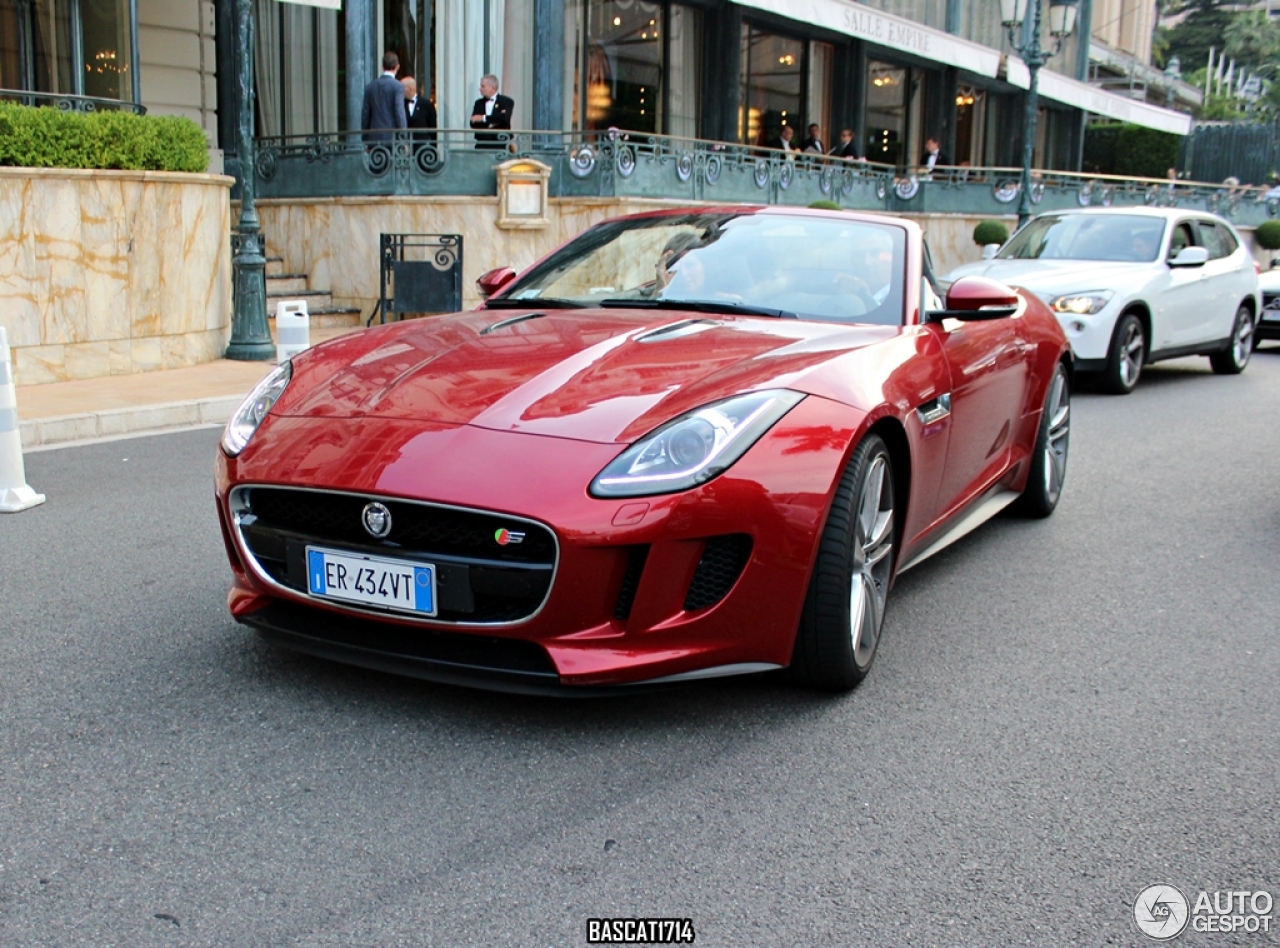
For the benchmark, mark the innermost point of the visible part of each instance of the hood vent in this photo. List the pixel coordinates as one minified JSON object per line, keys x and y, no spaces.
{"x":685,"y":327}
{"x":504,"y":323}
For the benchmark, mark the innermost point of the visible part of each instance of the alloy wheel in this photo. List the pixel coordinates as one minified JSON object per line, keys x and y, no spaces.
{"x":1131,"y":354}
{"x":872,"y":561}
{"x":1055,"y":449}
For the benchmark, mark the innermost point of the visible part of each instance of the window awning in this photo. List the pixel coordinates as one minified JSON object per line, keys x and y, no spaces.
{"x":884,"y":29}
{"x":1081,"y":95}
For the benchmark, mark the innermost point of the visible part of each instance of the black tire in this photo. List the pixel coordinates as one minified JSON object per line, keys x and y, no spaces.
{"x":844,"y":610}
{"x":1126,"y":356}
{"x":1049,"y":459}
{"x":1233,"y":359}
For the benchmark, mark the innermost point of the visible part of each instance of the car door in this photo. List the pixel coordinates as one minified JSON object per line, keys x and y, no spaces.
{"x":1179,"y":295}
{"x":1222,"y":277}
{"x":989,"y":378}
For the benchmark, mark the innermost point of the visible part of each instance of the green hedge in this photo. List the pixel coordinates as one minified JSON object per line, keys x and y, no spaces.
{"x":50,"y":138}
{"x":1267,"y":235}
{"x":1132,"y":150}
{"x":990,"y":232}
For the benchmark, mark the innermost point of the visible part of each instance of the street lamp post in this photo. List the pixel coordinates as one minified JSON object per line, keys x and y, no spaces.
{"x":1062,"y":21}
{"x":250,"y":335}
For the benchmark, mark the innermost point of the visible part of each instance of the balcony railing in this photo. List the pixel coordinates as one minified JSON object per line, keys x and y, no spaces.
{"x":628,"y":164}
{"x":70,"y":103}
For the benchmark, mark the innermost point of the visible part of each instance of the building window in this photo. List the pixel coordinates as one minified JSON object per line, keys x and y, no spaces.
{"x":821,"y":57}
{"x":970,"y":107}
{"x":297,"y":69}
{"x":624,"y":65}
{"x":773,"y":70}
{"x":67,"y":47}
{"x":888,"y":96}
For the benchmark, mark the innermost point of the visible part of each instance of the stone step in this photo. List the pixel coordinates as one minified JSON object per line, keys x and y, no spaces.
{"x":315,"y":299}
{"x":278,"y":284}
{"x":275,"y":266}
{"x":333,"y":317}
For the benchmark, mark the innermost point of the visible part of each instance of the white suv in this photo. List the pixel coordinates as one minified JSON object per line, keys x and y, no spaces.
{"x":1135,"y":285}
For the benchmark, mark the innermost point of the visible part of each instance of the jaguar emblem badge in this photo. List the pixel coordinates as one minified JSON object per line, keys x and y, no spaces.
{"x":376,"y":519}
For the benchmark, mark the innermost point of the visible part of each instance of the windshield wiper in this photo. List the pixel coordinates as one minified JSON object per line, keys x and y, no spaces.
{"x":551,"y":302}
{"x":700,"y":306}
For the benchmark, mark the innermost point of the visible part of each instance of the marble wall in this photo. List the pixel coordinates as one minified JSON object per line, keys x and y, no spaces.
{"x":113,"y":272}
{"x":335,"y":240}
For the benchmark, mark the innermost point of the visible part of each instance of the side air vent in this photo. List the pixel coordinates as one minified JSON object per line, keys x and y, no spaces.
{"x":686,"y":327}
{"x":630,"y":583}
{"x":504,"y":323}
{"x":722,"y":563}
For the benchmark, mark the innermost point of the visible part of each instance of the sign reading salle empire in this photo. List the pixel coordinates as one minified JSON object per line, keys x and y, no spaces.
{"x":878,"y":29}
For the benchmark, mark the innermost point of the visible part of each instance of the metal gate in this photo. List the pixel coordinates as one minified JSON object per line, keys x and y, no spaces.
{"x":419,"y":273}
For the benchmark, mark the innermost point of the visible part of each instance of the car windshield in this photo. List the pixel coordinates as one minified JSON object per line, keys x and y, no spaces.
{"x":814,"y":267}
{"x":1115,"y":237}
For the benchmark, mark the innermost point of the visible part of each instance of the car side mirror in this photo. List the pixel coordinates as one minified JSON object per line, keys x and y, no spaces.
{"x":493,"y":281}
{"x":977,"y":298}
{"x":1190,"y":257}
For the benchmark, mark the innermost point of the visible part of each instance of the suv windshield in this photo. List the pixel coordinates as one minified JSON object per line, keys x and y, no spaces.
{"x":815,"y":267}
{"x":1112,"y":237}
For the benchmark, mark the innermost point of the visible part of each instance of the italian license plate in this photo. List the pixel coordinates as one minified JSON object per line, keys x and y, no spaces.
{"x":401,"y":585}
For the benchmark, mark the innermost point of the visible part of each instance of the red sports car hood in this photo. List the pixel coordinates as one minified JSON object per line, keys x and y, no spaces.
{"x":591,"y":375}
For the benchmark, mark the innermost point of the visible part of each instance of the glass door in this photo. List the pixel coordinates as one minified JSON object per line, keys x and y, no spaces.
{"x":773,"y":70}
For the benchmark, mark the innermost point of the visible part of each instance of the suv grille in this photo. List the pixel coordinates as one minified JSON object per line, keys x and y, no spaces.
{"x":479,"y":580}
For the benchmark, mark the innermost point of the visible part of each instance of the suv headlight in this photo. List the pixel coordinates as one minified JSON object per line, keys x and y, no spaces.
{"x":253,"y":409}
{"x":1081,"y":304}
{"x":694,"y":448}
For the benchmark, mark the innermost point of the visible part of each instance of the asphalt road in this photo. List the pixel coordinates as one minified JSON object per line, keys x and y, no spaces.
{"x":1062,"y":712}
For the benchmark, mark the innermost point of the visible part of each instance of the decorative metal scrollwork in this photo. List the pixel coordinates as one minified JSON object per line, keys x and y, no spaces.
{"x":582,"y":161}
{"x":1084,"y":196}
{"x":1108,"y":195}
{"x":377,"y":160}
{"x":1152,"y":195}
{"x":907,"y":188}
{"x":761,"y":172}
{"x":1273,"y":207}
{"x":626,"y":161}
{"x":267,"y":163}
{"x":1037,"y":192}
{"x":786,"y":172}
{"x":430,"y":158}
{"x":1006,"y":191}
{"x":684,"y":166}
{"x":446,"y":255}
{"x":824,"y":181}
{"x":882,"y":188}
{"x":715,"y":165}
{"x":846,"y":182}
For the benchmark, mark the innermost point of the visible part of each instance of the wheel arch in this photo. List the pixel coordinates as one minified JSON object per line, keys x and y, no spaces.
{"x":1143,"y":312}
{"x":894,"y":435}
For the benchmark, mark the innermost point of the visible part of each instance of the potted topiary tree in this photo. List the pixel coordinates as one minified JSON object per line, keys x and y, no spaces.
{"x":1267,"y":236}
{"x":989,"y":235}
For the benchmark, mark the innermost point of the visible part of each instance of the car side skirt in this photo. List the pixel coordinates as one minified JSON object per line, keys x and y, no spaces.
{"x":982,"y":510}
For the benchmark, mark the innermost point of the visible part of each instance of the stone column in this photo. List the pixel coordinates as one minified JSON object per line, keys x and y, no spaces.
{"x":363,"y":62}
{"x":548,"y":65}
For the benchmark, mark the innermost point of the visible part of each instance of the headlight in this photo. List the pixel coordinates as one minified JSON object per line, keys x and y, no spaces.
{"x":253,"y":409}
{"x":1081,"y":304}
{"x":695,"y":447}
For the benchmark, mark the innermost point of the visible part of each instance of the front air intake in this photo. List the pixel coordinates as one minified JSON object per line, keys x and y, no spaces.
{"x":630,"y":583}
{"x":722,"y":563}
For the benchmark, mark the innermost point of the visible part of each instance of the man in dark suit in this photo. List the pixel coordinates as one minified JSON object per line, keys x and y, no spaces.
{"x":383,"y":108}
{"x":933,"y":154}
{"x":419,"y":112}
{"x":491,"y":111}
{"x":813,"y":141}
{"x":845,"y":148}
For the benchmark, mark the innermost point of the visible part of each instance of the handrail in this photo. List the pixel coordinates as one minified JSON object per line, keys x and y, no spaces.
{"x":71,"y":103}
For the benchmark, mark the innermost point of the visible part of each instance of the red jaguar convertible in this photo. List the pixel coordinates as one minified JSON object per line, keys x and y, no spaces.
{"x":686,"y":444}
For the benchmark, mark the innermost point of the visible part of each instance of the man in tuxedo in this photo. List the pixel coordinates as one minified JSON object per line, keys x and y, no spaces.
{"x":933,"y":154}
{"x":813,"y":142}
{"x":786,"y":141}
{"x":418,"y":110}
{"x":845,"y":148}
{"x":491,"y":111}
{"x":383,"y":108}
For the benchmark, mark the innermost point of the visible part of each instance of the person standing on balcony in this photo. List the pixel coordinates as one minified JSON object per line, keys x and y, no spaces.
{"x":845,"y":148}
{"x":933,"y":155}
{"x":813,"y":142}
{"x":491,"y":111}
{"x":418,"y":111}
{"x":383,"y":109}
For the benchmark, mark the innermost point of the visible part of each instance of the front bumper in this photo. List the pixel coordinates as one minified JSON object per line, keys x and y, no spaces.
{"x":705,"y":582}
{"x":1268,"y":326}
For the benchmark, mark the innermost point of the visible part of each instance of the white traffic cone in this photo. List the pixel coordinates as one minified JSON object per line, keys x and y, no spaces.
{"x":293,"y":329}
{"x":15,"y":495}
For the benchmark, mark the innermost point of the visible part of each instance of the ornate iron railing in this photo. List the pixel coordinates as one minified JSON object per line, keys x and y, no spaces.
{"x":70,"y":103}
{"x":629,"y":164}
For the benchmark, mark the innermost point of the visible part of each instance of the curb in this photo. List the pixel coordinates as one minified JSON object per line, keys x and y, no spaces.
{"x":63,"y":429}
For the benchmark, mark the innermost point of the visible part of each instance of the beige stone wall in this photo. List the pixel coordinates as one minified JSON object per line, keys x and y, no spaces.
{"x":177,"y":60}
{"x":113,"y":272}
